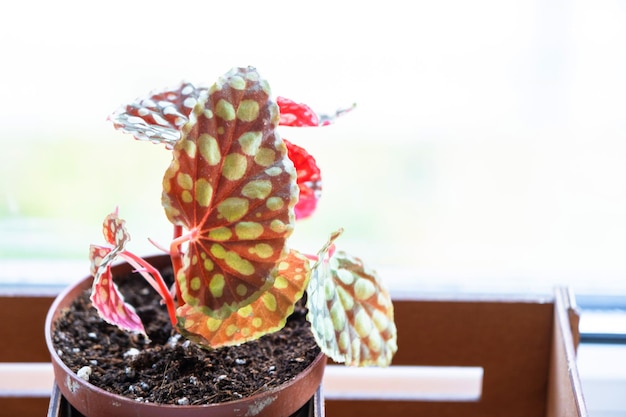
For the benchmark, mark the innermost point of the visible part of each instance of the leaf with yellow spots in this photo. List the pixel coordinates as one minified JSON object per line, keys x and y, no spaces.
{"x":232,"y":186}
{"x":161,"y":116}
{"x":266,"y":315}
{"x":351,"y":313}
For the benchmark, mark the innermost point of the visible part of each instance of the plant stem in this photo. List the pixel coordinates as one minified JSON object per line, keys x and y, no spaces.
{"x":176,"y":256}
{"x":154,"y":278}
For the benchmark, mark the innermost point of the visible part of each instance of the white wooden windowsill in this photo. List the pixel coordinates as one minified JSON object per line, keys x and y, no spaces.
{"x":602,"y":369}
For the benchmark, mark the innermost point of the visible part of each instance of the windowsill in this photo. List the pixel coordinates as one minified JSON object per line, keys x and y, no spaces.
{"x":602,"y":370}
{"x":602,"y":367}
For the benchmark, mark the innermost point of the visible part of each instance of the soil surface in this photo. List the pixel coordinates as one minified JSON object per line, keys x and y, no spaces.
{"x":169,"y":369}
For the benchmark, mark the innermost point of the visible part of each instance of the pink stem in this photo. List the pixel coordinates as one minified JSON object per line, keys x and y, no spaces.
{"x":313,"y":258}
{"x":154,"y":278}
{"x":158,"y":246}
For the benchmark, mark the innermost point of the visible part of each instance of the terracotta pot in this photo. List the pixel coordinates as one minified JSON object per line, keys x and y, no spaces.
{"x":92,"y":401}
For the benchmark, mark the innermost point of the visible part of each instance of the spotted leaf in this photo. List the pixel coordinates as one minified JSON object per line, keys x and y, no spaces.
{"x":351,"y":313}
{"x":309,"y":180}
{"x":97,"y":255}
{"x":105,"y":296}
{"x":233,"y":187}
{"x":265,"y":315}
{"x":159,"y":117}
{"x":114,"y":231}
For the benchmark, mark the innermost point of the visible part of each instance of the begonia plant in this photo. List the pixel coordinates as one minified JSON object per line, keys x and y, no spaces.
{"x":233,"y":192}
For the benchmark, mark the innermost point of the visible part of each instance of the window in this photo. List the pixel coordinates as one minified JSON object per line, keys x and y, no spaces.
{"x":486,"y":150}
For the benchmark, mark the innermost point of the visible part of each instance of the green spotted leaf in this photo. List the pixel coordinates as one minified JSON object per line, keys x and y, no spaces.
{"x":350,"y":311}
{"x":233,"y":187}
{"x":265,"y":315}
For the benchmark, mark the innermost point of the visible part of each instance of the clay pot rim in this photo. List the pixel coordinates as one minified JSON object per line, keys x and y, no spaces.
{"x":74,"y":289}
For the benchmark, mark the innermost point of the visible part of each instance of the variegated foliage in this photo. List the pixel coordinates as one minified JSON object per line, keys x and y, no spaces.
{"x":350,"y":311}
{"x":234,"y":192}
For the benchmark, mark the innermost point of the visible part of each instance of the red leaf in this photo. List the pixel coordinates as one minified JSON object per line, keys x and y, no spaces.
{"x":301,"y":115}
{"x":309,"y":180}
{"x":114,"y":231}
{"x":296,"y":114}
{"x":97,"y":255}
{"x":233,"y":187}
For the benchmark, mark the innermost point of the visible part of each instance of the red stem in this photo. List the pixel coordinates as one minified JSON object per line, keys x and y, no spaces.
{"x":176,"y":256}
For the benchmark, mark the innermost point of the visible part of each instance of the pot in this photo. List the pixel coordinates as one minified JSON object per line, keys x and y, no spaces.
{"x":92,"y":401}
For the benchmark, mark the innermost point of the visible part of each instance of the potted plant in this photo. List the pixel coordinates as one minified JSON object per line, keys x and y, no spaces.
{"x":228,"y":281}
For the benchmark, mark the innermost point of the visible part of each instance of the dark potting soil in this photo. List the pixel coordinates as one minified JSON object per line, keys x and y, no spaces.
{"x":169,"y":369}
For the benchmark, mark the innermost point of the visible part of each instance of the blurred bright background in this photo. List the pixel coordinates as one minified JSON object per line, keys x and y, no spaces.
{"x":487,"y":149}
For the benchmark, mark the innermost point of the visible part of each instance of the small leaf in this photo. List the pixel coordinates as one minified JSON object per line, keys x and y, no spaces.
{"x":114,"y":230}
{"x":301,"y":115}
{"x":97,"y":254}
{"x":105,"y":295}
{"x":351,"y":313}
{"x":160,"y":117}
{"x":309,"y":180}
{"x":296,"y":114}
{"x":266,"y":315}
